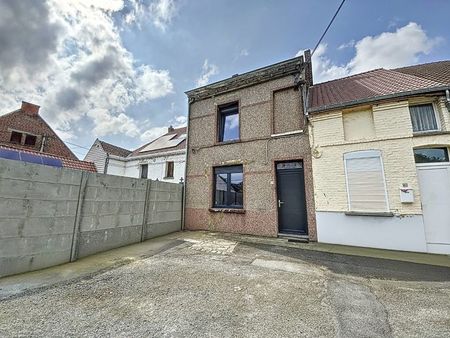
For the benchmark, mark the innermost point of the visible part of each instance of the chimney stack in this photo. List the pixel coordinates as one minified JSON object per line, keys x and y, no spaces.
{"x":29,"y":108}
{"x":308,"y":68}
{"x":170,"y":129}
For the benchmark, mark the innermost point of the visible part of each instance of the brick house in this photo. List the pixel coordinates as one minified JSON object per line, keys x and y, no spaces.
{"x":380,"y":156}
{"x":25,"y":136}
{"x":248,"y":158}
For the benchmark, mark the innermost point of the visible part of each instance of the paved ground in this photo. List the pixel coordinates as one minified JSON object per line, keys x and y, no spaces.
{"x":216,"y":287}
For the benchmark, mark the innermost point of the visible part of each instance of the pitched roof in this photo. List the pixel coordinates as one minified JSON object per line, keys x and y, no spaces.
{"x":172,"y":140}
{"x":114,"y":150}
{"x":66,"y":162}
{"x":378,"y":83}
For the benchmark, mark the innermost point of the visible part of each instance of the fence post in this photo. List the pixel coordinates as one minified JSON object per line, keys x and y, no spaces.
{"x":146,"y":206}
{"x":76,"y":225}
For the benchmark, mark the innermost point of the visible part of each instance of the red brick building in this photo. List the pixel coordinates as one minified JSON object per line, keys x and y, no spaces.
{"x":25,"y":130}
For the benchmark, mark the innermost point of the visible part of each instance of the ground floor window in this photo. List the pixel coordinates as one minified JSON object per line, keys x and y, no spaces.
{"x":430,"y":155}
{"x":228,"y":187}
{"x":144,"y":170}
{"x":366,"y":187}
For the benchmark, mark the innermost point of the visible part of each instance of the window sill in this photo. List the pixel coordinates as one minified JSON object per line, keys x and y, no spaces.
{"x":367,"y":213}
{"x":167,"y":178}
{"x":218,"y":143}
{"x":431,"y":132}
{"x":228,"y":210}
{"x":288,"y":133}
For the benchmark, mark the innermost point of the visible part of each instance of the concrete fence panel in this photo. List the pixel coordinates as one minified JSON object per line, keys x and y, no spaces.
{"x":50,"y":216}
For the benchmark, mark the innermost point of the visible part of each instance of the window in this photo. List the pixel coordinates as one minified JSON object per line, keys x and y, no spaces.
{"x":16,"y":137}
{"x":228,"y":187}
{"x":366,"y":186}
{"x":229,"y":122}
{"x":169,"y":169}
{"x":144,"y":170}
{"x":429,"y":155}
{"x":30,"y":140}
{"x":423,"y":118}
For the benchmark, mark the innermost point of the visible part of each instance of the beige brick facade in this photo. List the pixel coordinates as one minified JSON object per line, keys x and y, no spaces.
{"x":393,"y":136}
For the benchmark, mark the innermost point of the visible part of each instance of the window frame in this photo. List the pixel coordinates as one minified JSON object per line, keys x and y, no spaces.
{"x":220,"y":121}
{"x":170,"y":165}
{"x":366,"y":154}
{"x":30,"y":136}
{"x":436,"y":117}
{"x":227,"y":170}
{"x":447,"y":152}
{"x":15,"y":132}
{"x":141,"y":170}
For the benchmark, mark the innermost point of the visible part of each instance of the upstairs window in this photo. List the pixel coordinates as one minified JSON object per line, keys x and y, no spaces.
{"x":144,"y":170}
{"x":228,"y":187}
{"x":366,"y":187}
{"x":228,"y":122}
{"x":169,"y":169}
{"x":431,"y":155}
{"x":16,"y":137}
{"x":30,"y":140}
{"x":423,"y":118}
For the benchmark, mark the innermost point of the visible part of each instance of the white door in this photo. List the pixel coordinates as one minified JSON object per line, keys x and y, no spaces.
{"x":434,"y":181}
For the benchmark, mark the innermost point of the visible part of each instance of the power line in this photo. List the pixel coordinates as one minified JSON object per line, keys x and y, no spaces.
{"x":329,"y":25}
{"x":76,"y":145}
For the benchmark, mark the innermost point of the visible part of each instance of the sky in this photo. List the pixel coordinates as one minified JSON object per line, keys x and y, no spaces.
{"x":118,"y":69}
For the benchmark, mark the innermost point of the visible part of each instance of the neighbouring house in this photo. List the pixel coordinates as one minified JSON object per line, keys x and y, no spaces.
{"x":162,"y":159}
{"x":380,"y":156}
{"x":25,"y":136}
{"x":249,"y":159}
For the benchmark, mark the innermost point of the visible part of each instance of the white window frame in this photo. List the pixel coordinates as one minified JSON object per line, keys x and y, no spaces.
{"x":436,"y":116}
{"x":365,"y":154}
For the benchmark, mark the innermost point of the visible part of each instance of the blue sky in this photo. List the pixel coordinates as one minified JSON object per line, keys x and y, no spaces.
{"x":118,"y":69}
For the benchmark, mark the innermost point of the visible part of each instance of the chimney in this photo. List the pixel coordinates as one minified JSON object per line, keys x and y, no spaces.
{"x":30,"y":108}
{"x":170,"y":129}
{"x":308,"y":68}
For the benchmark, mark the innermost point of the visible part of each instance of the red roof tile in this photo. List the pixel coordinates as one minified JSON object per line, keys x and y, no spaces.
{"x":376,"y":83}
{"x":66,"y":162}
{"x":114,"y":150}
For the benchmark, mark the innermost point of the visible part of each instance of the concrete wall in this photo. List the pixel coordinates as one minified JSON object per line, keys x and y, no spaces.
{"x":257,"y":150}
{"x":50,"y":216}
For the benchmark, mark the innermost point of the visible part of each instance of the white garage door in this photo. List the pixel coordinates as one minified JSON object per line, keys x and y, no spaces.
{"x":434,"y":180}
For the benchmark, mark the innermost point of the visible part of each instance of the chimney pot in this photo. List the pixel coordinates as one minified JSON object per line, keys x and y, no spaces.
{"x":30,"y":108}
{"x":170,"y":129}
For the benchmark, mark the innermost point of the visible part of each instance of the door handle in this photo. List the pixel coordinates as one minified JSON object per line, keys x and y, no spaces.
{"x":280,"y":203}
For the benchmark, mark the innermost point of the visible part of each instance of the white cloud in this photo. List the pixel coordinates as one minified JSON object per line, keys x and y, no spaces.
{"x":74,"y":65}
{"x":208,"y":70}
{"x":244,"y":52}
{"x":349,"y":44}
{"x":162,"y":12}
{"x":386,"y":50}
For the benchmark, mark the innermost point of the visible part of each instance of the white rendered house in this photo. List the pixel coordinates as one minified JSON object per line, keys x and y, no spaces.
{"x":162,"y":159}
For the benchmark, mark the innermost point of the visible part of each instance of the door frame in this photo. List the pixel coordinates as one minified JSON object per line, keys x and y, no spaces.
{"x":275,"y":191}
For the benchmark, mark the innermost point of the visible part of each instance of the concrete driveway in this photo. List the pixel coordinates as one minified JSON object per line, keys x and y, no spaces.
{"x":206,"y":285}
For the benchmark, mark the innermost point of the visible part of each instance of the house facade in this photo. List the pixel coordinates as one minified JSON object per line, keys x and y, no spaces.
{"x":248,"y":154}
{"x":380,"y":157}
{"x":26,"y":136}
{"x":162,"y":159}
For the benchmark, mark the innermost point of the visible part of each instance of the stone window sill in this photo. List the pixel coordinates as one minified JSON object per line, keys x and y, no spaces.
{"x":364,"y":213}
{"x":227,"y":210}
{"x":430,"y":133}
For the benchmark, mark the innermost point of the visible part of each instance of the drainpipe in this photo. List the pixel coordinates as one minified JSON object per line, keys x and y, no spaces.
{"x":183,"y":207}
{"x":447,"y":99}
{"x":105,"y":170}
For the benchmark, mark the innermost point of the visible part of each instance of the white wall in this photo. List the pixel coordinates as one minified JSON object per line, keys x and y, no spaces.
{"x":97,"y":155}
{"x":405,"y":233}
{"x":156,"y":167}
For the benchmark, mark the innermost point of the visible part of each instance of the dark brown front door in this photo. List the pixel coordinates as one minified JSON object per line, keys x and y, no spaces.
{"x":291,"y":198}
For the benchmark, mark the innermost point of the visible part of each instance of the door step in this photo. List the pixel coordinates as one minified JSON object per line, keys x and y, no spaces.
{"x":294,"y":238}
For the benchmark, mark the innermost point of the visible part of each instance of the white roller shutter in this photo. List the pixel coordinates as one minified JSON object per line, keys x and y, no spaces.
{"x":366,"y":186}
